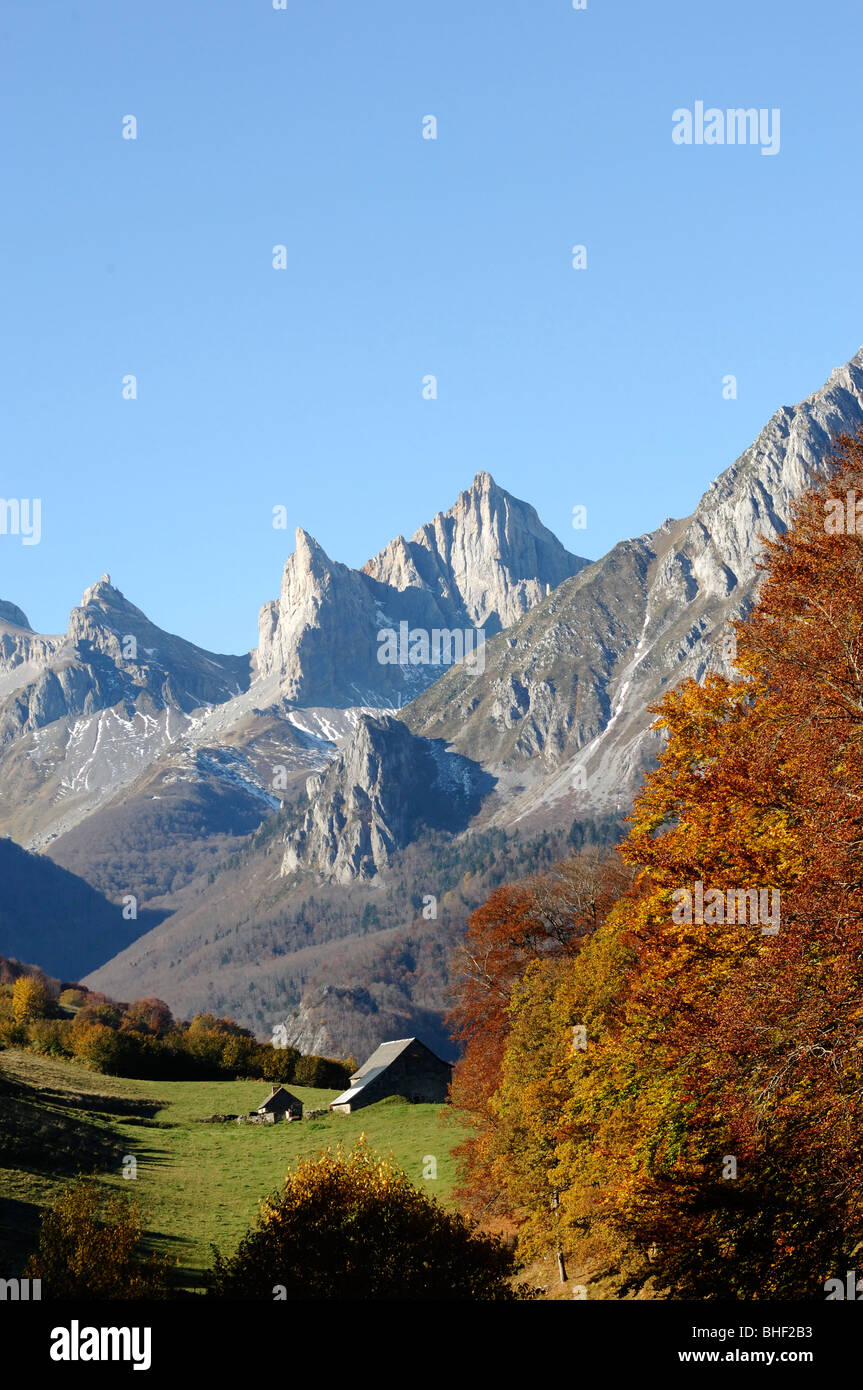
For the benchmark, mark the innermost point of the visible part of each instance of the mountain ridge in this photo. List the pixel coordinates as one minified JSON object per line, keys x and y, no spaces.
{"x":117,"y":714}
{"x":557,"y":720}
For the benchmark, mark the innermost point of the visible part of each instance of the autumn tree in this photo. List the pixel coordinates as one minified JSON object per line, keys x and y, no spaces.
{"x":100,"y":1047}
{"x":91,"y":1246}
{"x":540,"y":1142}
{"x":208,"y":1023}
{"x":538,"y":918}
{"x":30,"y":1000}
{"x":708,"y":1136}
{"x":353,"y":1226}
{"x":73,"y":998}
{"x":724,"y":1097}
{"x":99,"y":1011}
{"x":149,"y":1016}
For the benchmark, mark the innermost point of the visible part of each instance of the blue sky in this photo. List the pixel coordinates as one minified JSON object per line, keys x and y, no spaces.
{"x":406,"y":257}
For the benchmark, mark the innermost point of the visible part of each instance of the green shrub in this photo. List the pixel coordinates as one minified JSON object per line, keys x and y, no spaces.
{"x":353,"y":1226}
{"x":12,"y":1034}
{"x":73,"y":998}
{"x":91,"y":1247}
{"x":51,"y":1037}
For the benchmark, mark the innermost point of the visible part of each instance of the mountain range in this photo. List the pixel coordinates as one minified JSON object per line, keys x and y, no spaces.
{"x":290,"y":814}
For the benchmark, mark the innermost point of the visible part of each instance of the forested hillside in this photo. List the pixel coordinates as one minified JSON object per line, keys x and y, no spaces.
{"x":669,"y":1096}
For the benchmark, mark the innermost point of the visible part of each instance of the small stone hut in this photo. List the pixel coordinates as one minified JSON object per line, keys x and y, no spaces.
{"x":405,"y":1067}
{"x":281,"y":1105}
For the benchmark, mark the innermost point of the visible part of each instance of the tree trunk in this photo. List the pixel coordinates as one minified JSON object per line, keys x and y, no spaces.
{"x":561,"y":1267}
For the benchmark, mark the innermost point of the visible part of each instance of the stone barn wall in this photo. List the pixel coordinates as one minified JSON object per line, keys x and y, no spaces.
{"x":415,"y":1074}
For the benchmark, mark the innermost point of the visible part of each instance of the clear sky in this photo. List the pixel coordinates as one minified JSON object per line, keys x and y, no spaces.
{"x":406,"y":257}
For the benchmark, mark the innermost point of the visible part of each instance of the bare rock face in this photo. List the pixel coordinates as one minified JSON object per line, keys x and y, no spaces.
{"x":318,"y":639}
{"x":169,"y":669}
{"x":560,"y":712}
{"x":489,"y":557}
{"x":23,"y":653}
{"x":11,"y":614}
{"x":385,"y":787}
{"x":335,"y":1020}
{"x":309,"y":1027}
{"x":753,"y":498}
{"x":111,"y":654}
{"x":483,"y":563}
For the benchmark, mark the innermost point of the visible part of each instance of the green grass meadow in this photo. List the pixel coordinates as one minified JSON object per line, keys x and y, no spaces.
{"x":199,"y":1184}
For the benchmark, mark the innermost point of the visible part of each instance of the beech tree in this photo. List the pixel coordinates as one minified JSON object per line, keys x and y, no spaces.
{"x":538,"y":918}
{"x":708,"y":1136}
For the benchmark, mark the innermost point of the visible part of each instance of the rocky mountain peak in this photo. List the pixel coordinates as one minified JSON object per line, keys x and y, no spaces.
{"x":308,"y":554}
{"x":15,"y":616}
{"x":100,"y":592}
{"x":103,"y":605}
{"x":563,"y":698}
{"x":385,"y":786}
{"x":111,"y":657}
{"x":483,"y":563}
{"x":483,"y":482}
{"x":489,"y":555}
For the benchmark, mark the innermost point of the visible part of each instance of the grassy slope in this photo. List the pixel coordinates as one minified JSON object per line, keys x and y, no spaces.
{"x":200,"y":1183}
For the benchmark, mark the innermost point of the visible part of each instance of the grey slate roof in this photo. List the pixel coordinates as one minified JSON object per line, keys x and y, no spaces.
{"x":380,"y":1059}
{"x":279,"y":1090}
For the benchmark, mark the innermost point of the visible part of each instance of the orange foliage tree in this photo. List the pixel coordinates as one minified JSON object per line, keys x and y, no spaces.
{"x":708,"y":1136}
{"x":744,"y":1113}
{"x":539,"y":918}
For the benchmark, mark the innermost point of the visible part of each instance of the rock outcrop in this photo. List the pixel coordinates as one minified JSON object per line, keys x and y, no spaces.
{"x":482,"y":564}
{"x":111,"y":654}
{"x":382,"y":790}
{"x":561,"y":709}
{"x":488,"y":559}
{"x":10,"y":613}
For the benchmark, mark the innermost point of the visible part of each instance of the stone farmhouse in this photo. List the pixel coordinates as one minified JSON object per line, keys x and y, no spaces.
{"x":281,"y":1105}
{"x":405,"y":1067}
